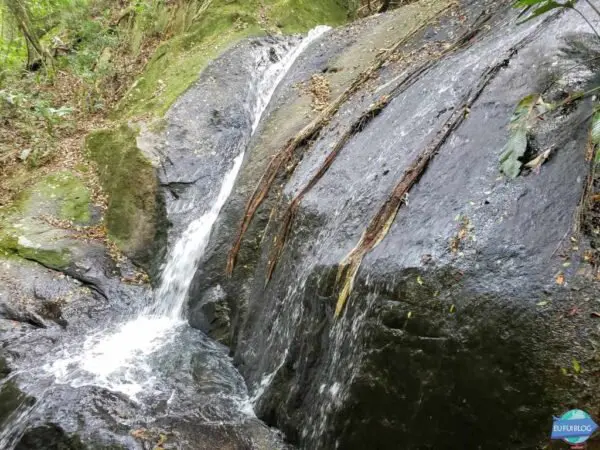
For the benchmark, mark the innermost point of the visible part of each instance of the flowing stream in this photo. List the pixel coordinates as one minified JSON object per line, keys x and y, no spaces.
{"x":133,"y":357}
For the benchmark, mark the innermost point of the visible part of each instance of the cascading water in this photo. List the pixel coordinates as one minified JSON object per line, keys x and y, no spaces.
{"x":117,"y":360}
{"x":123,"y":358}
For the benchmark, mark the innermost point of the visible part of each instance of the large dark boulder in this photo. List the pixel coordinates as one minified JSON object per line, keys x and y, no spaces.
{"x":469,"y":325}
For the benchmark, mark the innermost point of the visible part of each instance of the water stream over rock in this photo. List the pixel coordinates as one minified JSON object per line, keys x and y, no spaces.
{"x":154,"y":361}
{"x":463,"y":305}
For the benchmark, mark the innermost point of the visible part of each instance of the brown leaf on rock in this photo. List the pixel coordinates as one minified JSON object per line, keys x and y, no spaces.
{"x":536,"y":162}
{"x":140,"y":433}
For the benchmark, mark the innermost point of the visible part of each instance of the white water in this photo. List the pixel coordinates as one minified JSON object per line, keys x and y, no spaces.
{"x":273,"y":75}
{"x":117,"y":359}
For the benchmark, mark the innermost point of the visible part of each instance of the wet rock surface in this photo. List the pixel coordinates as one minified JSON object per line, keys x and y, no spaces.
{"x":50,"y":316}
{"x":191,"y":401}
{"x":469,"y":326}
{"x":464,"y":321}
{"x":195,"y":144}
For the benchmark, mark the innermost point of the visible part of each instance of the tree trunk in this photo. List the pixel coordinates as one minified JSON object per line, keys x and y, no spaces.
{"x":18,"y":9}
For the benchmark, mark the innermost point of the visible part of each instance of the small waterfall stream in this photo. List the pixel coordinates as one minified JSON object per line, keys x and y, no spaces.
{"x":123,"y":357}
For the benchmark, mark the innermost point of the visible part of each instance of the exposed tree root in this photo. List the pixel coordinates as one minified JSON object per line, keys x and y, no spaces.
{"x":281,"y":159}
{"x":382,"y":221}
{"x":292,"y":208}
{"x":359,"y":125}
{"x":380,"y":224}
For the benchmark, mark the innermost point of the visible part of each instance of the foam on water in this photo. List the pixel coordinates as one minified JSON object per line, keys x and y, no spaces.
{"x":117,"y":360}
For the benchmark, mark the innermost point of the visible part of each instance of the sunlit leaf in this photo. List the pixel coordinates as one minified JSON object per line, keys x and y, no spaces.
{"x":541,"y":7}
{"x":515,"y":149}
{"x":576,"y":366}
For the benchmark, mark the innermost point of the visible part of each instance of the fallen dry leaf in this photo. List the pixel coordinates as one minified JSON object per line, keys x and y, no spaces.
{"x":141,"y":433}
{"x":538,"y":160}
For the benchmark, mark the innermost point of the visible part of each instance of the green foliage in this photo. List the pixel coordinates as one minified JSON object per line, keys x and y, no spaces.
{"x":538,"y":7}
{"x":595,"y":135}
{"x":34,"y":117}
{"x":97,"y":48}
{"x":576,"y":366}
{"x":595,"y":129}
{"x":521,"y":123}
{"x":533,"y":106}
{"x":177,"y":62}
{"x":41,"y":15}
{"x":50,"y":115}
{"x":535,"y":8}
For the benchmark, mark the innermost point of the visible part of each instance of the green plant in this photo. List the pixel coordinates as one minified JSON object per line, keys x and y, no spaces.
{"x":51,"y":116}
{"x":522,"y":121}
{"x":532,"y":107}
{"x":536,"y":8}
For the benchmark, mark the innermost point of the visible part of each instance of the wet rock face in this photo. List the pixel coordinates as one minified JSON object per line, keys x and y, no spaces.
{"x":49,"y":437}
{"x":460,"y":330}
{"x":206,"y":128}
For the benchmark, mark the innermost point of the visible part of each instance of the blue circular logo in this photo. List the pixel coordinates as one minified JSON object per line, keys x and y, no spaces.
{"x":573,"y":427}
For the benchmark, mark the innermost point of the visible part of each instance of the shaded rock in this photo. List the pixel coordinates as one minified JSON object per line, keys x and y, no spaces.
{"x":213,"y":317}
{"x":12,"y":402}
{"x":4,"y":368}
{"x":21,"y":315}
{"x":50,"y":437}
{"x":196,"y":142}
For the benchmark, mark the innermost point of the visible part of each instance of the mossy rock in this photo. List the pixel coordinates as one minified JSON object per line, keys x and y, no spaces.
{"x":71,"y":194}
{"x":11,"y":400}
{"x":55,"y":258}
{"x":130,"y":181}
{"x":24,"y":232}
{"x":177,"y":63}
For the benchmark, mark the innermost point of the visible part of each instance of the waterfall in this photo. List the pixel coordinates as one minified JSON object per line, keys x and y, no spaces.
{"x":117,"y":359}
{"x":187,"y":251}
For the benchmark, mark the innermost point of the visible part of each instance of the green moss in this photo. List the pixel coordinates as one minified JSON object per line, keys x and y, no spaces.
{"x":82,"y":168}
{"x":22,"y":233}
{"x":176,"y":64}
{"x":128,"y":178}
{"x":297,"y":16}
{"x":56,"y":259}
{"x":71,"y":194}
{"x":12,"y":245}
